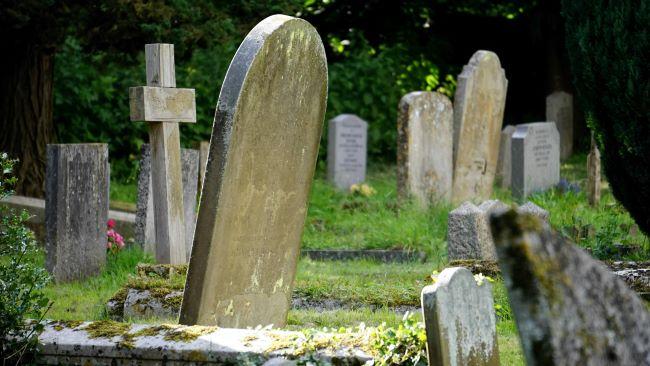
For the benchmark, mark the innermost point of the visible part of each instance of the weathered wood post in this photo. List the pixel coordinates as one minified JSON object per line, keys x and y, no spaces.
{"x":163,"y":105}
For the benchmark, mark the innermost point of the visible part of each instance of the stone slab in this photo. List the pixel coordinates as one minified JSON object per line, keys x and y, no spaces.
{"x":504,"y":164}
{"x":459,"y":320}
{"x":76,"y":210}
{"x":535,"y":158}
{"x":262,"y":159}
{"x":425,"y":147}
{"x":385,"y":256}
{"x":569,"y":308}
{"x":347,"y":141}
{"x":559,"y":109}
{"x":479,"y":104}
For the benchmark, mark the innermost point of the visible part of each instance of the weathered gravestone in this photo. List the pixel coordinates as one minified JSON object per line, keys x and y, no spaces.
{"x":76,"y":210}
{"x":593,"y":174}
{"x":425,"y":145}
{"x":459,"y":320}
{"x":347,"y":140}
{"x":204,"y":149}
{"x":559,"y":109}
{"x":144,"y":220}
{"x":262,"y":158}
{"x":479,"y":104}
{"x":504,"y":164}
{"x":162,"y":105}
{"x":570,"y":309}
{"x":535,"y":158}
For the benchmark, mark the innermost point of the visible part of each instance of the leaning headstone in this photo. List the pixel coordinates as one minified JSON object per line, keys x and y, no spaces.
{"x":535,"y":158}
{"x":504,"y":164}
{"x":263,"y":154}
{"x":459,"y":320}
{"x":347,"y":141}
{"x":569,"y":308}
{"x":145,"y":223}
{"x":468,"y":233}
{"x":559,"y":109}
{"x":163,"y":106}
{"x":76,"y":210}
{"x":593,"y":174}
{"x":479,"y":104}
{"x":425,"y":145}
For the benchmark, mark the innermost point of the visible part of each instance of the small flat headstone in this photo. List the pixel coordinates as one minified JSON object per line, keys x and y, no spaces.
{"x":479,"y":104}
{"x":347,"y":141}
{"x":570,"y":309}
{"x":535,"y":158}
{"x":459,"y":320}
{"x":76,"y":210}
{"x":504,"y":164}
{"x":425,"y":147}
{"x":145,"y":226}
{"x":559,"y":109}
{"x":258,"y":177}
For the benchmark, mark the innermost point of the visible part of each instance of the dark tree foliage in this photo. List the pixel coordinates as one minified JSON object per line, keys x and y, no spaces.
{"x":609,"y":48}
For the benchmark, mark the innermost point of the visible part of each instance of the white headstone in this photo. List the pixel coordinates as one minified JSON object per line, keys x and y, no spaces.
{"x":346,"y":150}
{"x":535,"y":158}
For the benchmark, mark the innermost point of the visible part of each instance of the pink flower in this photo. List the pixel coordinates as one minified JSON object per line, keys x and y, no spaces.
{"x":111,"y":223}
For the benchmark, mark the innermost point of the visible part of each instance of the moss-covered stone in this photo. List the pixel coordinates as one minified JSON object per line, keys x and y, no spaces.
{"x":476,"y":266}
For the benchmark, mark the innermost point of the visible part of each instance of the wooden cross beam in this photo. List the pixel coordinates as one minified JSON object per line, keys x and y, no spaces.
{"x":163,"y":106}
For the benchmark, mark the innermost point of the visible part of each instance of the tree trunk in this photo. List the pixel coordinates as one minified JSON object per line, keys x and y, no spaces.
{"x":26,"y":124}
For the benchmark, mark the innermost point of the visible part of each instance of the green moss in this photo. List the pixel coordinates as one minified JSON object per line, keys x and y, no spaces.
{"x":107,"y":329}
{"x":63,"y":324}
{"x":187,"y":333}
{"x":476,"y":266}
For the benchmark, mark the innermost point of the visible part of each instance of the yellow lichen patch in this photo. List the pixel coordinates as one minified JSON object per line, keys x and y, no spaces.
{"x":106,"y":329}
{"x":187,"y":333}
{"x":59,"y":325}
{"x":281,"y":342}
{"x":248,"y":339}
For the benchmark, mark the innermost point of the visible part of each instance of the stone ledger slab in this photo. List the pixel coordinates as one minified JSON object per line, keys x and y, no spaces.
{"x":347,"y":142}
{"x":425,"y":148}
{"x":569,"y":308}
{"x":262,"y":159}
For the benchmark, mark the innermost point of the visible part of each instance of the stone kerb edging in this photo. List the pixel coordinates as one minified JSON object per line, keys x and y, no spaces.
{"x":73,"y":344}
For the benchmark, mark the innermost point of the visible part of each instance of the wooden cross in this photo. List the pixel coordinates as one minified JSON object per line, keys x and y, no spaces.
{"x":162,"y":105}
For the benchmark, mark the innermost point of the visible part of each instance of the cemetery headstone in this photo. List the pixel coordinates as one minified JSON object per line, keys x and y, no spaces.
{"x":593,"y":174}
{"x":533,"y":209}
{"x":459,"y":320}
{"x":479,"y":104}
{"x":570,"y":309}
{"x":347,"y":140}
{"x":204,"y":149}
{"x":504,"y":164}
{"x":425,"y":145}
{"x":535,"y":158}
{"x":76,"y":210}
{"x":559,"y":109}
{"x":263,"y":154}
{"x":145,"y":223}
{"x":163,"y":106}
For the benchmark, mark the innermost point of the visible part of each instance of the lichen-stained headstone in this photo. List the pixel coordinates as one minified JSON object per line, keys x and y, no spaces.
{"x":479,"y":104}
{"x":569,"y":308}
{"x":535,"y":158}
{"x":425,"y":145}
{"x":260,"y":168}
{"x":468,"y":231}
{"x":76,"y":210}
{"x":459,"y":319}
{"x":347,"y":145}
{"x":504,"y":163}
{"x":559,"y":109}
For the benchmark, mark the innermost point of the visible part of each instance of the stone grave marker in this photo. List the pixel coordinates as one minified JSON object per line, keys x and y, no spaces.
{"x":425,"y":145}
{"x":346,"y":150}
{"x":504,"y":164}
{"x":263,"y":154}
{"x":162,"y":105}
{"x":559,"y":109}
{"x":144,"y":219}
{"x":479,"y":104}
{"x":593,"y":174}
{"x":535,"y":158}
{"x":204,"y":149}
{"x":459,"y":320}
{"x":570,"y":309}
{"x":76,"y":210}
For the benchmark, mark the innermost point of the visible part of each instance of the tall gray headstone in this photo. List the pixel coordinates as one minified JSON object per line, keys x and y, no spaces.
{"x":559,"y":109}
{"x":459,"y":320}
{"x":535,"y":158}
{"x":145,"y":227}
{"x":570,"y":309}
{"x":260,"y":168}
{"x":76,"y":210}
{"x":425,"y":147}
{"x":504,"y":164}
{"x":479,"y":105}
{"x":346,"y":150}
